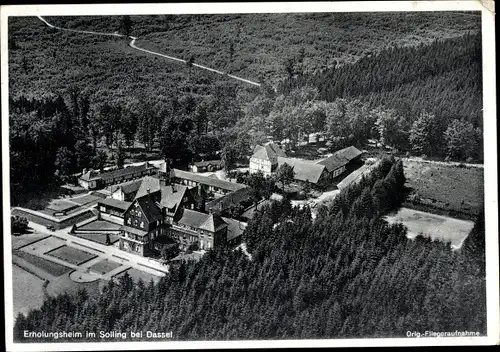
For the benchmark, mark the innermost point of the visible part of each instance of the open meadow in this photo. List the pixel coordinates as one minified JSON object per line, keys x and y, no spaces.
{"x":458,"y":191}
{"x":436,"y":227}
{"x":26,"y":299}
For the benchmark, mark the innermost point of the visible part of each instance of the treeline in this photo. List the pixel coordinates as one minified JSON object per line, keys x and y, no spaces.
{"x":432,"y":95}
{"x":346,"y":274}
{"x":54,"y":137}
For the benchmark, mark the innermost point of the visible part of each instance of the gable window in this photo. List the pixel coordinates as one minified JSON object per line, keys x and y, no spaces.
{"x":142,"y":224}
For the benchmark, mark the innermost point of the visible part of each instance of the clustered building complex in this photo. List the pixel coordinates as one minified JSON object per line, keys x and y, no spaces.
{"x":269,"y":157}
{"x":168,"y":204}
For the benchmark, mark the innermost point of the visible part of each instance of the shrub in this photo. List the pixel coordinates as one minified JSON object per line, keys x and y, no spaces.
{"x":19,"y":225}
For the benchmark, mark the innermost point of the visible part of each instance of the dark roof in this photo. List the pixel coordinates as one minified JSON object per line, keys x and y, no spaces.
{"x":115,"y":203}
{"x":127,"y":187}
{"x":349,"y":153}
{"x":171,"y":196}
{"x":148,"y":183}
{"x":133,"y":230}
{"x":215,"y":182}
{"x":195,"y":219}
{"x":109,"y":175}
{"x":212,"y":223}
{"x":192,"y":218}
{"x":305,"y":170}
{"x":232,"y":198}
{"x":149,"y":208}
{"x":208,"y":162}
{"x":340,"y":158}
{"x":268,"y":151}
{"x":235,"y":228}
{"x":334,"y":162}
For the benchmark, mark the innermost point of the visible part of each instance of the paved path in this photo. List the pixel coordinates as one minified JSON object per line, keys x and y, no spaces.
{"x":133,"y":45}
{"x":444,"y":163}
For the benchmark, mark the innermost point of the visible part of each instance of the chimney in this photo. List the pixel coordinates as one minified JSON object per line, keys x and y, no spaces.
{"x":148,"y":190}
{"x":210,"y":210}
{"x":173,"y":188}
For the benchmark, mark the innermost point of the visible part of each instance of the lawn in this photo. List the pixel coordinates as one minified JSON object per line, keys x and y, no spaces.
{"x":456,"y":190}
{"x":97,"y":237}
{"x":142,"y":275}
{"x":100,"y":225}
{"x":27,"y":291}
{"x":71,"y":255}
{"x":44,"y":245}
{"x":21,"y":241}
{"x":49,"y":267}
{"x":104,"y":266}
{"x":436,"y":227}
{"x":65,"y":284}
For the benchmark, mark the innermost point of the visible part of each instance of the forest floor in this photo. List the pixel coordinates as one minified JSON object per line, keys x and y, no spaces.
{"x":437,"y":227}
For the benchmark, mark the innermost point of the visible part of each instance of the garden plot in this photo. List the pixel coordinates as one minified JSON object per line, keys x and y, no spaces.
{"x":71,"y":255}
{"x":436,"y":227}
{"x":43,"y":264}
{"x":43,"y":246}
{"x":19,"y":242}
{"x":104,"y":266}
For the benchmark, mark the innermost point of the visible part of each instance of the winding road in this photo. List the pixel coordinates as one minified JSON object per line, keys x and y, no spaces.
{"x":133,"y":45}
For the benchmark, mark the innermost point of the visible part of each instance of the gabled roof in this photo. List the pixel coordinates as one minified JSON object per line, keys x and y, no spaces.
{"x":305,"y":170}
{"x":127,"y":187}
{"x":349,"y":153}
{"x":115,"y":203}
{"x":208,"y":162}
{"x":171,"y":196}
{"x":212,"y":223}
{"x":192,"y":218}
{"x":235,"y":228}
{"x":340,"y":158}
{"x":215,"y":182}
{"x":333,"y":162}
{"x":109,"y":175}
{"x":268,"y":151}
{"x":195,"y":219}
{"x":149,"y":208}
{"x":148,"y":183}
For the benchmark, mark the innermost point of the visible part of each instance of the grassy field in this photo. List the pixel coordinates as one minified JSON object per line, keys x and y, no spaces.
{"x":71,"y":255}
{"x":27,"y":290}
{"x":436,"y":227}
{"x":137,"y":275}
{"x":457,"y":190}
{"x":49,"y":267}
{"x":100,"y":225}
{"x":65,"y":284}
{"x":104,"y":266}
{"x":44,"y":245}
{"x":48,"y":61}
{"x":26,"y":239}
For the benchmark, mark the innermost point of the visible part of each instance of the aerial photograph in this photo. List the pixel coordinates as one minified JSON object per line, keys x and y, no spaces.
{"x":253,"y":176}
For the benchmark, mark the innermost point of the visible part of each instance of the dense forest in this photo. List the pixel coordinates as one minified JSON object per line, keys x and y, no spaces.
{"x":423,"y":99}
{"x":348,"y":273}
